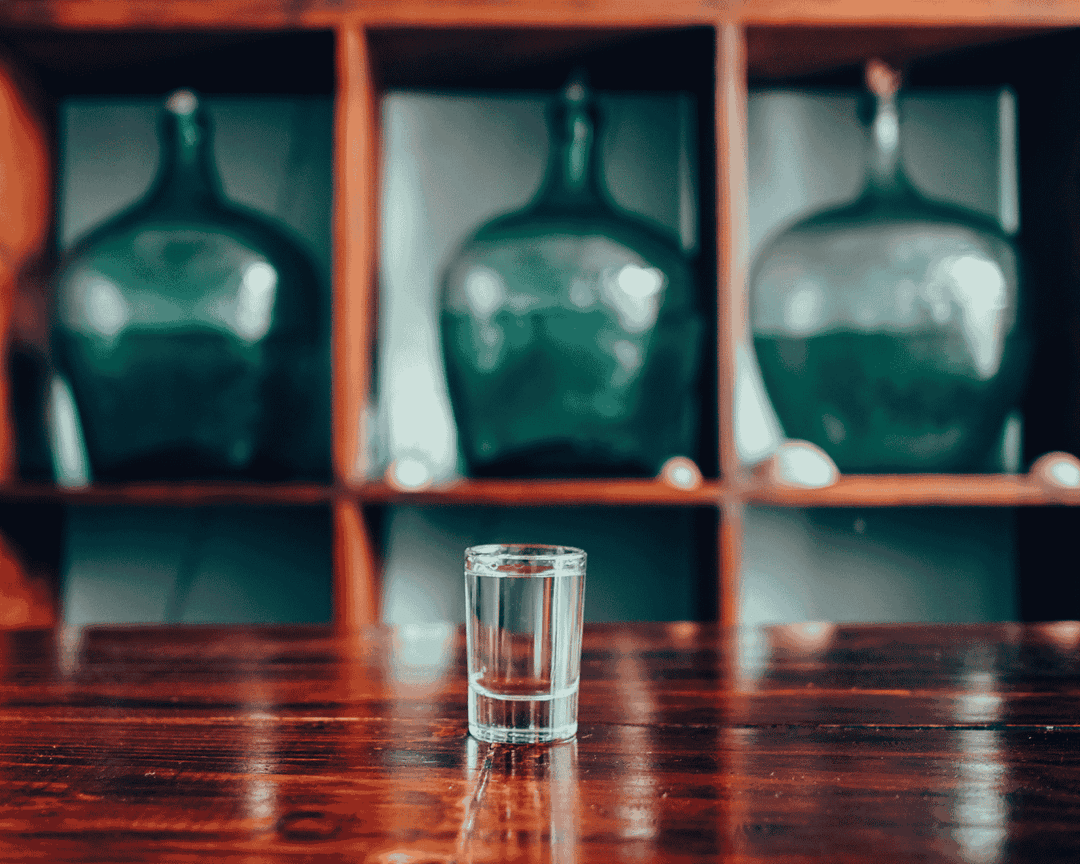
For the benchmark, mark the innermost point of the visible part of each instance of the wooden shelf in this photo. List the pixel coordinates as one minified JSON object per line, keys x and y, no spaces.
{"x":865,"y":490}
{"x":530,"y":493}
{"x":276,"y":14}
{"x":917,"y":490}
{"x":903,"y":14}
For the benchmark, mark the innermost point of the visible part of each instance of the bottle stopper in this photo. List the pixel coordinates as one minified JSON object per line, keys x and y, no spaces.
{"x":882,"y":79}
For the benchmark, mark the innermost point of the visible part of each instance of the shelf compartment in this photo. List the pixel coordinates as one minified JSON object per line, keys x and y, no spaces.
{"x":655,"y":562}
{"x":879,"y":563}
{"x":438,"y":88}
{"x":916,"y":490}
{"x":532,"y":493}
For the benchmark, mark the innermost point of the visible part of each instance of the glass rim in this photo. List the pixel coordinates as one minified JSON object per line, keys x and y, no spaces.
{"x":524,"y":559}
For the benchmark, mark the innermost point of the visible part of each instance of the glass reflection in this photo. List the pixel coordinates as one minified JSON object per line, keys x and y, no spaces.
{"x":259,"y":763}
{"x":772,"y":652}
{"x":979,"y":806}
{"x":420,"y":656}
{"x":528,"y":805}
{"x":24,"y":596}
{"x":1065,"y":635}
{"x":638,"y":805}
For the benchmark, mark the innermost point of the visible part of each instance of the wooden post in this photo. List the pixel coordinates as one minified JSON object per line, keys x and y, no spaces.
{"x":732,"y":203}
{"x":355,"y":237}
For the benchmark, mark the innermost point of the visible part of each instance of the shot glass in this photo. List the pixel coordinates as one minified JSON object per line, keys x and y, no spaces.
{"x":523,"y":616}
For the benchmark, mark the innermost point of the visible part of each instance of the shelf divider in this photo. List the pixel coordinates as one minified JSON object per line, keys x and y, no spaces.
{"x":355,"y":232}
{"x":356,"y":190}
{"x":732,"y":264}
{"x":24,"y":227}
{"x":732,"y":252}
{"x":356,"y":588}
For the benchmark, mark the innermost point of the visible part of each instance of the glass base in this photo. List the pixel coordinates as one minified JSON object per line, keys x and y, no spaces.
{"x":522,"y":720}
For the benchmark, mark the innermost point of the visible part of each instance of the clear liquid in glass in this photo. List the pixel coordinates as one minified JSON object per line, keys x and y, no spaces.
{"x":525,"y":655}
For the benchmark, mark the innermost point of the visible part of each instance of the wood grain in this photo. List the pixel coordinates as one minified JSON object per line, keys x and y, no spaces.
{"x":696,"y":743}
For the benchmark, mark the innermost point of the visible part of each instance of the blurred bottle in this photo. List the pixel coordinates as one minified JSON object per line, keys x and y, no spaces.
{"x":888,"y":330}
{"x":571,"y":332}
{"x":193,"y":333}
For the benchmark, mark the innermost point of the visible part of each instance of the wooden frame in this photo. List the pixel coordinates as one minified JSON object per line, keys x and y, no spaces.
{"x":753,"y":38}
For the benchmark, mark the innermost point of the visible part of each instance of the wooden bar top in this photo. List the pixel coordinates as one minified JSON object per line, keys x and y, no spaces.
{"x":812,"y":742}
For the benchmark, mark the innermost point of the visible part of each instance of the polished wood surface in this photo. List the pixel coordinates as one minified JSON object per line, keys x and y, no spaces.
{"x":800,"y":743}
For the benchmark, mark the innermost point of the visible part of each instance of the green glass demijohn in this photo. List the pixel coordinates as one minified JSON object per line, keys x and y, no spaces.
{"x":570,"y":331}
{"x":889,"y":330}
{"x":193,"y":332}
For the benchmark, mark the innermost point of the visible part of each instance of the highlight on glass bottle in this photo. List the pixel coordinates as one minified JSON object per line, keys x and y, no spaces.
{"x":571,"y":331}
{"x":191,"y":334}
{"x":889,"y":331}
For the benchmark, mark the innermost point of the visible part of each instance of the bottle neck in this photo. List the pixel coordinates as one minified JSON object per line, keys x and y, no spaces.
{"x":187,"y":176}
{"x":573,"y":173}
{"x":885,"y":175}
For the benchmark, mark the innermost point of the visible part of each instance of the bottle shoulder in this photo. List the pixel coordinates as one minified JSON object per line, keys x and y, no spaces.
{"x":146,"y":230}
{"x":873,"y":211}
{"x":565,"y":225}
{"x":161,"y":268}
